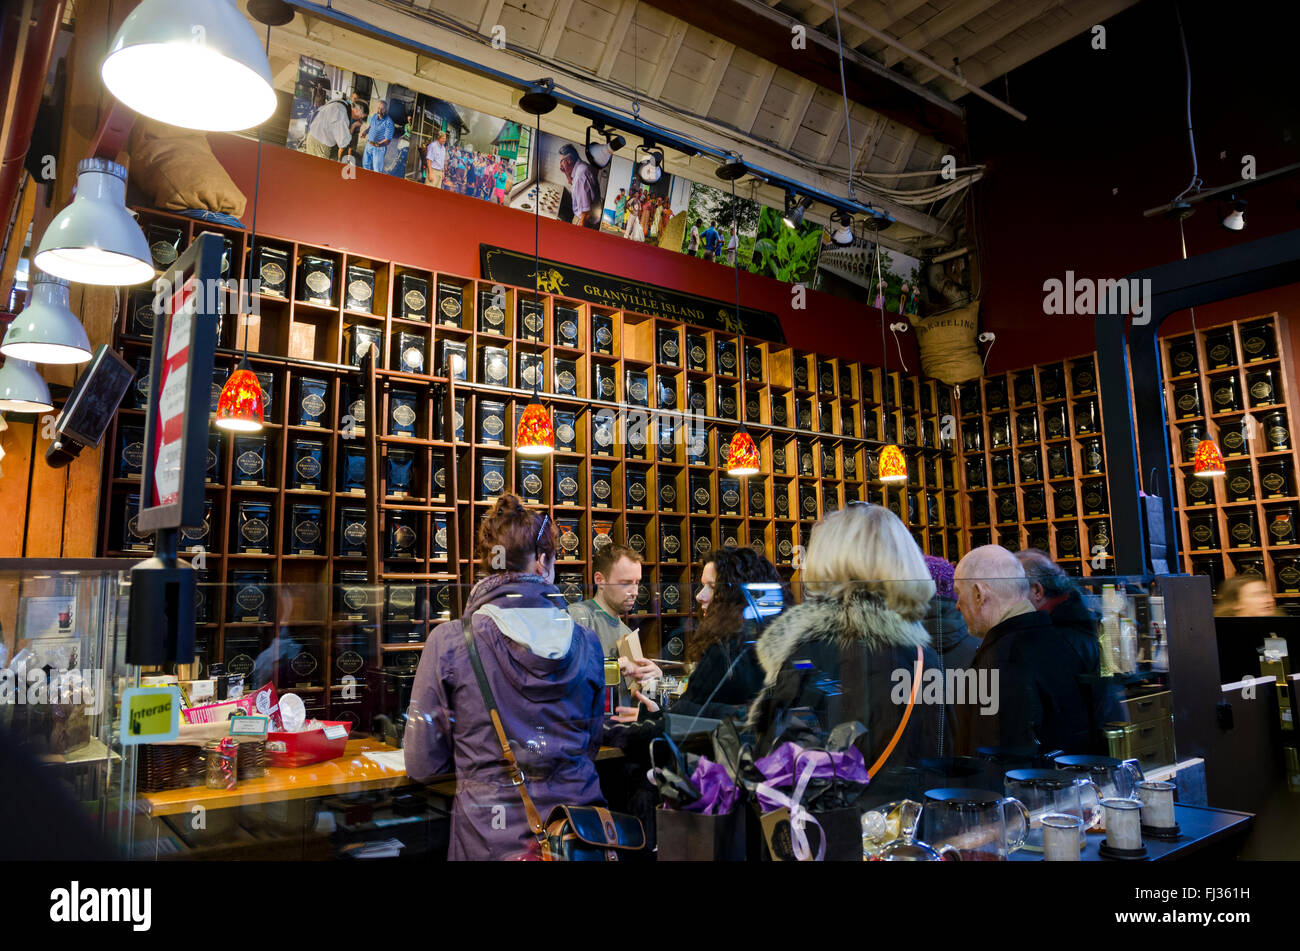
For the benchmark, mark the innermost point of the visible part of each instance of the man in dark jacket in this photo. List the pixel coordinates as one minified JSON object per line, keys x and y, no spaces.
{"x":1053,"y":591}
{"x":1037,"y":689}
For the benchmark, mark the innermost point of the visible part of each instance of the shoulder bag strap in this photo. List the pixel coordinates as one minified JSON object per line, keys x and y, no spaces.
{"x":512,"y":765}
{"x":907,"y":713}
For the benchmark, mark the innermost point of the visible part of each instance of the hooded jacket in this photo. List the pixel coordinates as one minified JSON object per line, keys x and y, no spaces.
{"x":838,"y":660}
{"x":951,"y":639}
{"x":547,"y":677}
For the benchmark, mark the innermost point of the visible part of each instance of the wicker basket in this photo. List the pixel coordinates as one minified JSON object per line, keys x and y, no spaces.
{"x":160,"y":767}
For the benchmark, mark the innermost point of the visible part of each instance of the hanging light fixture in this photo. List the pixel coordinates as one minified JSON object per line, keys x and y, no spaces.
{"x":22,"y":390}
{"x":893,"y":466}
{"x":197,"y":65}
{"x":1208,"y":459}
{"x":535,"y":434}
{"x":95,"y":240}
{"x":241,"y":407}
{"x":742,"y":453}
{"x":47,"y":331}
{"x":1235,"y":218}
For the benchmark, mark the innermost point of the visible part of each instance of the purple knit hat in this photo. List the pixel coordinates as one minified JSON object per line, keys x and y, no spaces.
{"x":941,"y":571}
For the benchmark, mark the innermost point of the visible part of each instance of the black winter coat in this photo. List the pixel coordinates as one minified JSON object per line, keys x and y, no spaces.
{"x":949,"y":636}
{"x":829,"y":661}
{"x":1038,"y":692}
{"x":727,"y":678}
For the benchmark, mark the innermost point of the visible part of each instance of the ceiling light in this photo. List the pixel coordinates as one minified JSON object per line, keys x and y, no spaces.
{"x":95,"y":240}
{"x":197,"y":65}
{"x":601,"y":154}
{"x":651,"y":168}
{"x":842,"y":232}
{"x":732,"y":169}
{"x":22,"y":390}
{"x":47,"y":331}
{"x":876,"y":221}
{"x":795,"y":210}
{"x":1235,"y":219}
{"x":538,"y":99}
{"x":1208,"y":460}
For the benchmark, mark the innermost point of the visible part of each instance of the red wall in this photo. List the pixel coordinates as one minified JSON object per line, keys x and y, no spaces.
{"x":308,"y":199}
{"x":1107,"y":139}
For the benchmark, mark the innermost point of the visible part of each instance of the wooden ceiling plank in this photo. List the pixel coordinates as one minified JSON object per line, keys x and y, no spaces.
{"x":797,"y":113}
{"x":555,"y":28}
{"x":709,"y":90}
{"x":667,"y":58}
{"x":981,"y":72}
{"x":937,"y":27}
{"x":614,"y":42}
{"x":491,"y":16}
{"x":753,"y":101}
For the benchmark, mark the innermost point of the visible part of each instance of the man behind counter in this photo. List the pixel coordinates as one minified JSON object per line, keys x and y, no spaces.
{"x":617,"y":573}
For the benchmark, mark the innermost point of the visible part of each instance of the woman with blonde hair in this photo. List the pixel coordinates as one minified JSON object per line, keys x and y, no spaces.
{"x":848,"y":654}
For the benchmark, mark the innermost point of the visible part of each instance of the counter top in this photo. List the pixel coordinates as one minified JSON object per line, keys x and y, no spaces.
{"x":351,"y":772}
{"x":1201,"y":828}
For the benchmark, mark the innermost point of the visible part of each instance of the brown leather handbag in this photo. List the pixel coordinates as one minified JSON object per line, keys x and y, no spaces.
{"x":571,"y":833}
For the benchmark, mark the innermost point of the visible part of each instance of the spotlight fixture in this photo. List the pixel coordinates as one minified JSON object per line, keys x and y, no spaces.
{"x":1235,"y":219}
{"x":47,"y":331}
{"x":1179,"y":210}
{"x":539,"y":99}
{"x":95,"y":240}
{"x":197,"y":65}
{"x":601,"y":154}
{"x":842,"y":232}
{"x":795,"y":209}
{"x":651,"y":168}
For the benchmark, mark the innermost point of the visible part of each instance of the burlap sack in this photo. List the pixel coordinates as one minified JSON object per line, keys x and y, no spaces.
{"x":947,"y":341}
{"x":176,"y":168}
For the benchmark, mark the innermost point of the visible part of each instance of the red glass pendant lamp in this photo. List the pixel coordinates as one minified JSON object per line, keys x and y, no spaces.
{"x":742,"y":455}
{"x":240,"y":407}
{"x":1208,"y":459}
{"x":893,"y":467}
{"x":535,"y":434}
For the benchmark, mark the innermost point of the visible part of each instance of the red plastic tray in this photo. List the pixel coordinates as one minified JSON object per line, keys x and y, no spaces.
{"x":291,"y":750}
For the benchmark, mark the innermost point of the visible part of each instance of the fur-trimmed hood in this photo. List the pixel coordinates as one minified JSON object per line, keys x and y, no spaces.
{"x":857,"y":617}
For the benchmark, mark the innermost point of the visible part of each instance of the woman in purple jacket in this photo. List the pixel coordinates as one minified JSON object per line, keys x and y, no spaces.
{"x":547,"y":676}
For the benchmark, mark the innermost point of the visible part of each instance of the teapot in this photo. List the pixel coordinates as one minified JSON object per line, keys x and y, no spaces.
{"x":980,"y":826}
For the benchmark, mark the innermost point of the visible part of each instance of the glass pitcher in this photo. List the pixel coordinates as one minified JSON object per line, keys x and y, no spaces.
{"x":889,"y":835}
{"x":980,"y":825}
{"x":1048,"y":791}
{"x":1115,"y":779}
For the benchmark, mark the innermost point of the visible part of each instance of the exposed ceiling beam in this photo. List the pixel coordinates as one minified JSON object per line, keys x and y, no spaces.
{"x":614,"y":42}
{"x":491,"y":16}
{"x":757,"y":92}
{"x":936,"y":28}
{"x":980,"y":72}
{"x":713,"y":81}
{"x":753,"y":26}
{"x":555,"y":28}
{"x":995,"y":32}
{"x":798,"y":111}
{"x":667,"y":58}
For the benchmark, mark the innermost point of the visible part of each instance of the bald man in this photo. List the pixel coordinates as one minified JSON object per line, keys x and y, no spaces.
{"x":1037,"y":671}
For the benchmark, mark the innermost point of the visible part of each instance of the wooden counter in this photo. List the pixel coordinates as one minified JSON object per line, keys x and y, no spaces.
{"x":350,"y":772}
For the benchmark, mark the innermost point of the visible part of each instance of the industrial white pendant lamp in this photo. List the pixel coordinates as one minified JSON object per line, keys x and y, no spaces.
{"x":197,"y":64}
{"x":47,"y":331}
{"x":95,"y":240}
{"x":22,"y":390}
